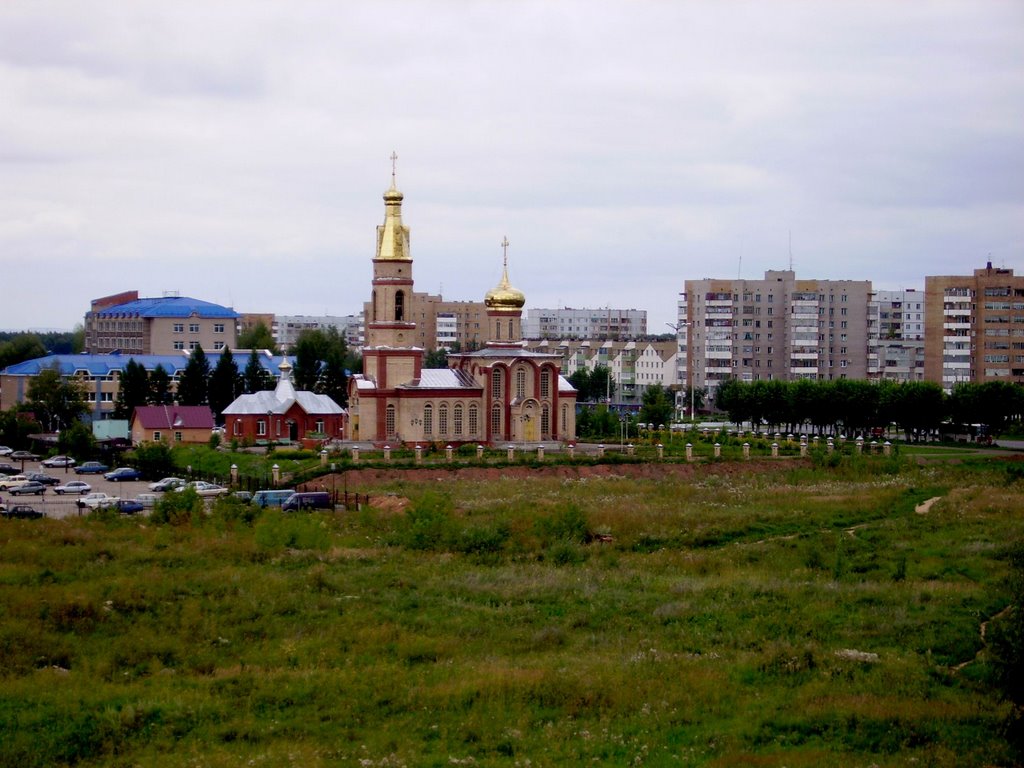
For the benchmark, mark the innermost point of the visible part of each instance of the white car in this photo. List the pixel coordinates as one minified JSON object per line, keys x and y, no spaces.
{"x":204,"y":489}
{"x":5,"y":451}
{"x":73,"y":486}
{"x":12,"y":481}
{"x":147,"y":500}
{"x":59,"y":461}
{"x":97,"y":500}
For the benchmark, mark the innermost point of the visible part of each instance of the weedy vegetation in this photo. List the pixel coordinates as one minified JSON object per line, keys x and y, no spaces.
{"x":820,"y":615}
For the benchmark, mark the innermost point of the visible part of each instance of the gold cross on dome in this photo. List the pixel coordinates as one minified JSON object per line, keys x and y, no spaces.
{"x":394,"y":160}
{"x":504,"y":249}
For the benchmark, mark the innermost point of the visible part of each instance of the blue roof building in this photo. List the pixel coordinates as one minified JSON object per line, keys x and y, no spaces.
{"x":168,"y":324}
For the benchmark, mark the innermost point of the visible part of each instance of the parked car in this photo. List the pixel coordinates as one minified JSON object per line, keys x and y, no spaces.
{"x":73,"y":486}
{"x":40,"y":477}
{"x":58,"y":461}
{"x":5,"y":451}
{"x":128,"y":506}
{"x":24,"y":456}
{"x":307,"y":500}
{"x":12,"y":481}
{"x":203,"y":488}
{"x":244,"y":496}
{"x":23,"y":512}
{"x":123,"y":473}
{"x":91,"y":468}
{"x":31,"y":488}
{"x":96,"y":500}
{"x":147,"y":500}
{"x":9,"y":469}
{"x":167,"y":484}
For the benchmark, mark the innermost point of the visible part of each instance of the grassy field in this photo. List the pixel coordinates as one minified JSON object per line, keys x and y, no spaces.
{"x":800,"y":617}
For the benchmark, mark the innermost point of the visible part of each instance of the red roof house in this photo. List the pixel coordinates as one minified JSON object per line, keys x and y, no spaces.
{"x":171,"y":424}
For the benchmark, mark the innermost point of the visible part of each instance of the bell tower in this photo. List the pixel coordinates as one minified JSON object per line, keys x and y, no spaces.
{"x":388,"y":357}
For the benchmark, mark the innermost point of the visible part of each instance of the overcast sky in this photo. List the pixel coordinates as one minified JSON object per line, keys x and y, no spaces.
{"x":237,"y":152}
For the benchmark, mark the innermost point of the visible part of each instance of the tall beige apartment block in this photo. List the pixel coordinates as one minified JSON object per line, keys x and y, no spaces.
{"x":776,"y":328}
{"x":974,"y":327}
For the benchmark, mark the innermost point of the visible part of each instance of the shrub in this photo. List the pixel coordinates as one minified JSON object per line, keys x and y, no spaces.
{"x":276,"y":530}
{"x":567,"y":525}
{"x":428,"y":522}
{"x":179,"y":508}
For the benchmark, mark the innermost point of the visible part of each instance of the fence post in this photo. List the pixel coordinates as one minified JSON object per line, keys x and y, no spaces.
{"x":718,"y":450}
{"x":572,"y":450}
{"x":276,"y":474}
{"x":600,"y":450}
{"x":479,"y":452}
{"x":775,"y":449}
{"x":387,"y":454}
{"x":419,"y":453}
{"x":689,"y":451}
{"x":448,"y":454}
{"x":355,"y":454}
{"x":746,"y":450}
{"x":540,"y":453}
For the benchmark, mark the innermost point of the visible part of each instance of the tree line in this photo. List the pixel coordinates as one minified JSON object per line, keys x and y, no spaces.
{"x":855,"y":406}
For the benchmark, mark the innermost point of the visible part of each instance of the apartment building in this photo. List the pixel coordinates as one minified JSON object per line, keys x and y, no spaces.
{"x":634,"y":365}
{"x":776,"y":328}
{"x":897,"y":352}
{"x":568,"y":323}
{"x":126,"y":323}
{"x":286,"y":328}
{"x":974,"y":327}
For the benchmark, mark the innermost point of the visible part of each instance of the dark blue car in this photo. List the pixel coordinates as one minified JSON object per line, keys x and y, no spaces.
{"x":123,"y":473}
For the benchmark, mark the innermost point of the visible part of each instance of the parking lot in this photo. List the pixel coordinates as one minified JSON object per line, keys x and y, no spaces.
{"x":53,"y":505}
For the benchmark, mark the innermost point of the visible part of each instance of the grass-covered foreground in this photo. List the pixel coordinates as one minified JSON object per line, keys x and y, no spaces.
{"x":801,"y":618}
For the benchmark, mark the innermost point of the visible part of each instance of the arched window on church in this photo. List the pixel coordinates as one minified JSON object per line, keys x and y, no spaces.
{"x":442,"y":419}
{"x":389,"y":421}
{"x":511,"y":336}
{"x":520,"y":383}
{"x":399,"y":305}
{"x":497,"y":330}
{"x":545,"y":384}
{"x":496,"y":422}
{"x":373,"y":305}
{"x":428,"y":419}
{"x":496,"y":383}
{"x":458,"y":419}
{"x":474,"y":420}
{"x":545,"y":422}
{"x":565,"y":420}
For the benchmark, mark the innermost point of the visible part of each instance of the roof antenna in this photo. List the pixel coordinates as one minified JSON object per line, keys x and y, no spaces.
{"x":739,"y":269}
{"x":791,"y":250}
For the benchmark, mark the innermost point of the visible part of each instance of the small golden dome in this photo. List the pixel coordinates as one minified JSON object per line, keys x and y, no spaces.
{"x":504,"y":296}
{"x":392,"y":195}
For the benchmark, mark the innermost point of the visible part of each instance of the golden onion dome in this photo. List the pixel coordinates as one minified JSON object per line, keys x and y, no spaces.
{"x":504,"y":296}
{"x":392,"y":195}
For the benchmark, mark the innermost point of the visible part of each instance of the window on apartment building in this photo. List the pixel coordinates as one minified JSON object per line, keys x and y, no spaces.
{"x":179,"y":345}
{"x":218,"y":345}
{"x":218,"y":327}
{"x":842,"y":311}
{"x":179,"y":327}
{"x":193,"y":344}
{"x":845,"y":297}
{"x":193,"y":327}
{"x":842,"y":323}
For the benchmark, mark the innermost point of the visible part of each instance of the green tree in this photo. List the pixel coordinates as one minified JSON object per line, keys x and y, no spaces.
{"x":657,"y":407}
{"x":78,"y":441}
{"x":436,"y":358}
{"x":194,"y":385}
{"x":256,"y":378}
{"x":134,"y":390}
{"x":602,"y":385}
{"x":257,"y":337}
{"x":333,"y":380}
{"x":225,"y":385}
{"x":16,"y":426}
{"x":159,"y":386}
{"x":56,"y":401}
{"x":580,"y":379}
{"x":309,"y":351}
{"x":18,"y":349}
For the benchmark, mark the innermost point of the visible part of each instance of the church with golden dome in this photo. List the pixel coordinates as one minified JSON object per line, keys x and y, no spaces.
{"x":499,"y":394}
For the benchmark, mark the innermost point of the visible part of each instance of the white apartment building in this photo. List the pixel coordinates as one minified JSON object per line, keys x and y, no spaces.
{"x":569,"y":323}
{"x":287,"y":328}
{"x":897,"y":352}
